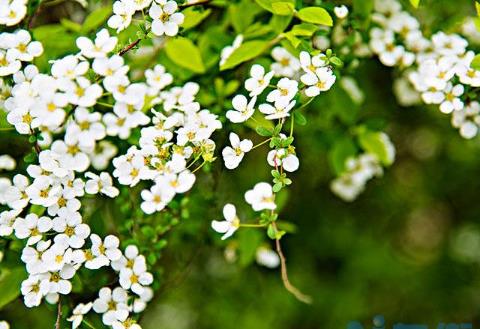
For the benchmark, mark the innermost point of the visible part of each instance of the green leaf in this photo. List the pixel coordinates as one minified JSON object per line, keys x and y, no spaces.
{"x":194,"y":17}
{"x":299,"y":118}
{"x":10,"y":281}
{"x":415,"y":3}
{"x":280,"y":23}
{"x":242,"y":15}
{"x":475,"y":64}
{"x":247,"y":51}
{"x":283,"y":8}
{"x":262,"y":131}
{"x":96,"y":18}
{"x":378,"y":144}
{"x":304,"y":29}
{"x":293,"y":39}
{"x":315,"y":15}
{"x":268,"y":4}
{"x":70,"y":25}
{"x":183,"y":52}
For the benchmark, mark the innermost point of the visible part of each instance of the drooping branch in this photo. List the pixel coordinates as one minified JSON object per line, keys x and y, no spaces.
{"x":286,"y":282}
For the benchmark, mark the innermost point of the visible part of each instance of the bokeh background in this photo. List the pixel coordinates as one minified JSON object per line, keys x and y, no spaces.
{"x":407,"y":248}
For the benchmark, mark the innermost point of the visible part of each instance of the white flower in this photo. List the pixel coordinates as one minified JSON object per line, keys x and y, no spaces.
{"x":56,"y":257}
{"x":261,"y":197}
{"x":72,"y":231}
{"x":32,"y":227}
{"x":69,"y":68}
{"x":258,"y":81}
{"x":4,"y":325}
{"x":452,"y":102}
{"x":135,"y":278}
{"x":70,"y":153}
{"x":12,"y":13}
{"x":16,"y":196}
{"x":243,"y":109}
{"x":286,"y":64}
{"x":179,"y":183}
{"x":267,"y":257}
{"x":130,"y":169}
{"x":165,"y":18}
{"x":123,"y":12}
{"x":285,"y":91}
{"x":158,"y":78}
{"x":103,"y":44}
{"x":309,"y":63}
{"x":22,"y":47}
{"x":131,"y":258}
{"x":112,"y":304}
{"x":382,"y":43}
{"x":32,"y":257}
{"x":82,"y":92}
{"x":87,"y":126}
{"x":33,"y":291}
{"x":127,"y":324}
{"x":77,"y":315}
{"x":9,"y":64}
{"x":467,"y":120}
{"x":101,"y":155}
{"x":7,"y":162}
{"x":103,"y":252}
{"x":321,"y":80}
{"x":102,"y":184}
{"x":113,"y":68}
{"x":232,"y":156}
{"x":7,"y":220}
{"x":282,"y":157}
{"x":341,"y":11}
{"x":57,"y":282}
{"x":278,"y":111}
{"x":156,"y":198}
{"x":230,"y":224}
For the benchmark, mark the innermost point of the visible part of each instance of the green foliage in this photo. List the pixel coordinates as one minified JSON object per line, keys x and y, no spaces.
{"x":247,"y":51}
{"x":315,"y":15}
{"x":10,"y":280}
{"x":95,"y":19}
{"x":177,"y":50}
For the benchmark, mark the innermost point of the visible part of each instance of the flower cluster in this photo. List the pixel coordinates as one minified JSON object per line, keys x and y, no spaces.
{"x":358,"y":172}
{"x":441,"y":75}
{"x":16,"y":48}
{"x":165,"y":19}
{"x":45,"y":206}
{"x":178,"y":137}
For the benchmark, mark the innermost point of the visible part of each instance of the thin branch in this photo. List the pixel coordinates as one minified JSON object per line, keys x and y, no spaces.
{"x":59,"y":314}
{"x":35,"y":145}
{"x":286,"y":282}
{"x":197,"y":3}
{"x":129,"y":47}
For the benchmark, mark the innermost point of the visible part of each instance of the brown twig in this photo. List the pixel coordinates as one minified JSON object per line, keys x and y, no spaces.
{"x":197,"y":3}
{"x":35,"y":144}
{"x":59,"y":314}
{"x":129,"y":47}
{"x":286,"y":282}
